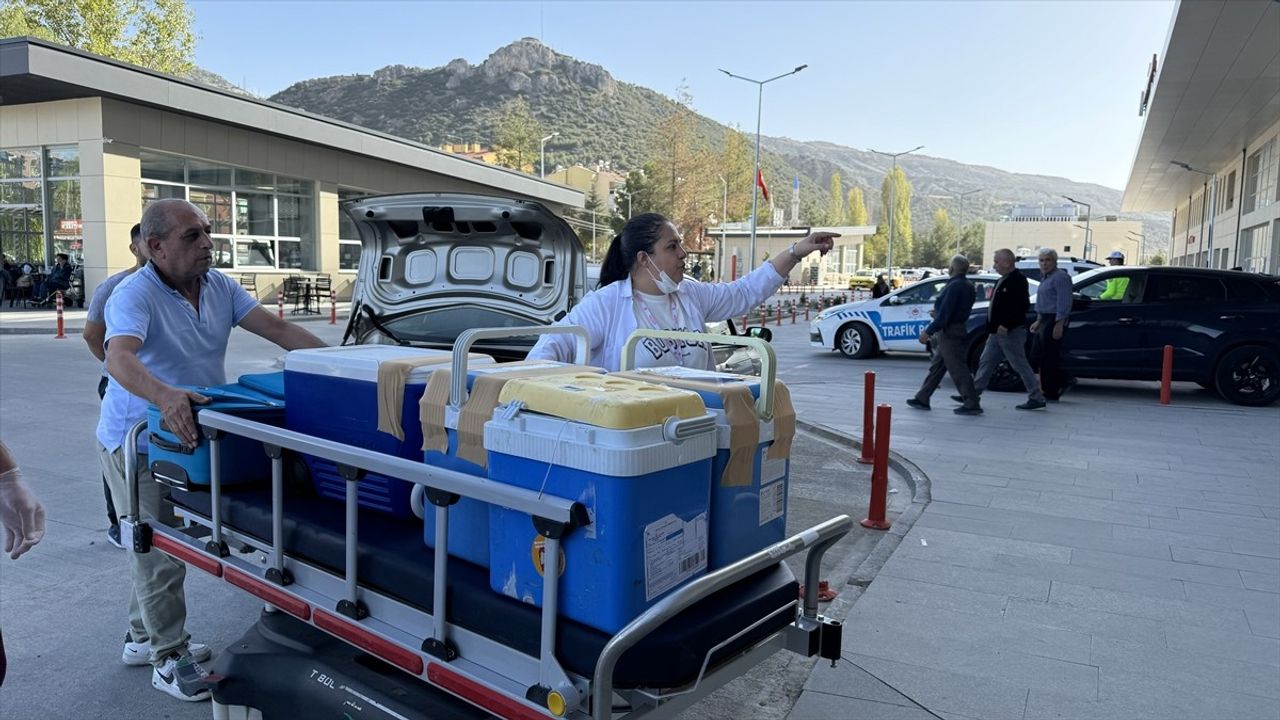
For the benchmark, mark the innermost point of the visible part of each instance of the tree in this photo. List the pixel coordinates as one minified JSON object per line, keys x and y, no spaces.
{"x":154,"y":34}
{"x":683,"y":181}
{"x":855,"y":208}
{"x":895,"y":191}
{"x":972,"y":242}
{"x":516,"y":136}
{"x":936,"y":248}
{"x":737,"y":167}
{"x":835,"y":201}
{"x":1157,"y":259}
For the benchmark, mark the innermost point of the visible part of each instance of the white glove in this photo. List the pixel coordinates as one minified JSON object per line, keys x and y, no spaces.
{"x":21,"y":514}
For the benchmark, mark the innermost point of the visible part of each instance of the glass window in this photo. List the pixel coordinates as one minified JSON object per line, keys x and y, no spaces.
{"x":20,"y":163}
{"x":290,"y":254}
{"x":1246,"y":290}
{"x":216,"y":204}
{"x":26,"y":192}
{"x":65,"y":219}
{"x":62,"y":161}
{"x":348,"y":255}
{"x":1113,"y":288}
{"x":222,"y":252}
{"x":922,"y":292}
{"x":293,"y":185}
{"x":346,"y":226}
{"x":255,"y":214}
{"x":152,"y":192}
{"x":22,"y":232}
{"x":203,"y":173}
{"x":255,"y":253}
{"x":1168,"y":287}
{"x":162,"y":167}
{"x":252,"y":180}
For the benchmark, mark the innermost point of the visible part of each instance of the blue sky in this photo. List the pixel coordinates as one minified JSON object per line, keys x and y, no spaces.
{"x":1032,"y":86}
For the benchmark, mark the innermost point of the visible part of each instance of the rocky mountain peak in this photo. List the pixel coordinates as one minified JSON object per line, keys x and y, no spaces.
{"x":528,"y":65}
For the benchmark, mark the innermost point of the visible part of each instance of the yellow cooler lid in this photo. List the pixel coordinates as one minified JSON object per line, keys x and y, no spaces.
{"x":603,"y":400}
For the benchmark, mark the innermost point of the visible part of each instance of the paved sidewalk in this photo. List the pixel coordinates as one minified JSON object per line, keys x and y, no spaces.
{"x":1106,"y":558}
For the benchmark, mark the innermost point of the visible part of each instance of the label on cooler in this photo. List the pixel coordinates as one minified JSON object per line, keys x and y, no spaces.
{"x":674,"y":551}
{"x":773,"y":500}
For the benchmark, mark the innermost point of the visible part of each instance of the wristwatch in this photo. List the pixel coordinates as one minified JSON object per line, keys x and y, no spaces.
{"x":793,"y":252}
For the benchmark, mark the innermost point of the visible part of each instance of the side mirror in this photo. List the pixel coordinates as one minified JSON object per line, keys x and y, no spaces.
{"x":762,"y":333}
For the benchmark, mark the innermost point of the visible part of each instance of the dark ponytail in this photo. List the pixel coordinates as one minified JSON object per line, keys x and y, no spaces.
{"x":638,"y":235}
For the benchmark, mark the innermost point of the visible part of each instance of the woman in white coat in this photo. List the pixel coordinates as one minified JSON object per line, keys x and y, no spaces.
{"x":642,"y":285}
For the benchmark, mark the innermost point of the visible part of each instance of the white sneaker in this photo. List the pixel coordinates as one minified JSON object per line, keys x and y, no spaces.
{"x":140,"y":653}
{"x":181,"y":678}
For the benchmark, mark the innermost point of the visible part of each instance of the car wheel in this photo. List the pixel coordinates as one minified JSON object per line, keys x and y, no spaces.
{"x":855,"y":341}
{"x":1249,"y":375}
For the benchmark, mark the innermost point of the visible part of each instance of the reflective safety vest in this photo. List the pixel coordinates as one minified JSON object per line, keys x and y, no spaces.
{"x":1116,"y":288}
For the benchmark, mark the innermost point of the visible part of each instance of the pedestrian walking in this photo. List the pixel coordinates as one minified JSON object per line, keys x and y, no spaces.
{"x":947,"y":335}
{"x":1053,"y":307}
{"x":1007,"y":331}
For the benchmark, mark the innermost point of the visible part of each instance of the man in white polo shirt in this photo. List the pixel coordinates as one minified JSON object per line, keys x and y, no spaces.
{"x":168,"y":324}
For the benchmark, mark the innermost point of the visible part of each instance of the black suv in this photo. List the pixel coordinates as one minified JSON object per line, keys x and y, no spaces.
{"x":1224,"y":327}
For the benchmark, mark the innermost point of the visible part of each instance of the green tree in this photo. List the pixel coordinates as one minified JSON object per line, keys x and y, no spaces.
{"x":855,"y":208}
{"x":936,"y":248}
{"x":155,"y":34}
{"x":737,"y":165}
{"x":1157,"y":259}
{"x":835,"y":201}
{"x":972,"y":241}
{"x":516,"y":136}
{"x":895,"y":192}
{"x":684,"y":186}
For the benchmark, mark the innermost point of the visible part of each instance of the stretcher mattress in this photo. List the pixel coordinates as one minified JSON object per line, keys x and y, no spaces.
{"x":393,"y":561}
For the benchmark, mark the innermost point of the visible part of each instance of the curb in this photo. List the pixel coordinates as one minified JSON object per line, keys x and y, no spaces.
{"x":854,"y":573}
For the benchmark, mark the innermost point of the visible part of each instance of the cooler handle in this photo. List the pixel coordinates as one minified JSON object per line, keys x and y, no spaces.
{"x":768,"y":359}
{"x":170,"y":446}
{"x":462,"y":348}
{"x":676,"y":430}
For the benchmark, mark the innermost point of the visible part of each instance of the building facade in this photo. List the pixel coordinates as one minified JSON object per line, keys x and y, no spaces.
{"x":1028,"y":228}
{"x":1210,"y":146}
{"x":732,"y":244}
{"x":87,"y":142}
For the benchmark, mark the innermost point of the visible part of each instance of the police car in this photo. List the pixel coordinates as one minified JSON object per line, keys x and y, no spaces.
{"x":893,"y":322}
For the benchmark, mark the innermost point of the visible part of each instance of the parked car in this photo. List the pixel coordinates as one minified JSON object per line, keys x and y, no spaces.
{"x":862,"y":329}
{"x":1030,"y":265}
{"x":864,"y":279}
{"x":1224,"y":327}
{"x":435,"y":264}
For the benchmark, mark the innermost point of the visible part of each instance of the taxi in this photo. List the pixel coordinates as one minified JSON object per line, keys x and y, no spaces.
{"x":864,"y":328}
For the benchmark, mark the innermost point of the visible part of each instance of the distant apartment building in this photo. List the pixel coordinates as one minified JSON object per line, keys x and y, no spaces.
{"x":1063,"y":227}
{"x":732,"y":243}
{"x":1210,"y":145}
{"x":599,"y":182}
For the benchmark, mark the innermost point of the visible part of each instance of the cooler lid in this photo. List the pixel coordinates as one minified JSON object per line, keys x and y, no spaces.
{"x":227,"y":397}
{"x":360,"y":362}
{"x":713,"y":380}
{"x":602,"y":400}
{"x":270,"y":384}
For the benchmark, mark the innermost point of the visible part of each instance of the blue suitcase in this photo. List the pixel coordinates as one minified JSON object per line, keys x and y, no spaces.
{"x":243,"y":460}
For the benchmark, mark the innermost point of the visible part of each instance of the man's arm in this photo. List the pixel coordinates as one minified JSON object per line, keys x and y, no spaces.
{"x":94,"y":332}
{"x":174,"y":404}
{"x":287,"y":335}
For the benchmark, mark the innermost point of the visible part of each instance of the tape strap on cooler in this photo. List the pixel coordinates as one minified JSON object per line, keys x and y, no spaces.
{"x":478,"y":408}
{"x":739,"y":413}
{"x":784,"y":423}
{"x":392,"y":377}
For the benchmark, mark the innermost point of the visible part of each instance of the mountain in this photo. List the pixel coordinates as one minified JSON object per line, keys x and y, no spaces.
{"x":602,"y":119}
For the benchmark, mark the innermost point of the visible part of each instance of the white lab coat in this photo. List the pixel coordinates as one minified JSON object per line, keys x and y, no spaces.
{"x":608,"y":314}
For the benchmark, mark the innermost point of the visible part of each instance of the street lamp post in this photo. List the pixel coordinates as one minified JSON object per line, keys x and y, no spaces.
{"x":542,"y":151}
{"x":893,"y":202}
{"x":961,"y":196}
{"x":1088,"y":219}
{"x":1213,"y":198}
{"x":754,"y":178}
{"x":724,"y":219}
{"x":1142,"y":245}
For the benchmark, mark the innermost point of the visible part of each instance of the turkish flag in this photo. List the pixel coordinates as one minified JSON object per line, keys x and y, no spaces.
{"x":763,"y":189}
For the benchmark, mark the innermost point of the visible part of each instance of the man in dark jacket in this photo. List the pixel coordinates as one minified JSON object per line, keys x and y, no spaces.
{"x":947,"y":332}
{"x":1007,"y":325}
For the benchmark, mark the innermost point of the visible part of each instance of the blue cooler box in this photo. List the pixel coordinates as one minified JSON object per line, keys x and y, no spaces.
{"x":243,"y":460}
{"x":468,"y":518}
{"x":648,"y":501}
{"x":269,"y":384}
{"x":332,"y":393}
{"x":746,"y":517}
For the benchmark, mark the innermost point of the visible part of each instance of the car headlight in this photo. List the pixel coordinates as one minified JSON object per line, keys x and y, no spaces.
{"x":822,"y":316}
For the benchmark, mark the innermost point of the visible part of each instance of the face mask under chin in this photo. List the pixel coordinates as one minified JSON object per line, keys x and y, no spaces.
{"x":665,"y":284}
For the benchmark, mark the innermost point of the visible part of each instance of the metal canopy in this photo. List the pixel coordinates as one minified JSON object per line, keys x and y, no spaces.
{"x":1217,"y":89}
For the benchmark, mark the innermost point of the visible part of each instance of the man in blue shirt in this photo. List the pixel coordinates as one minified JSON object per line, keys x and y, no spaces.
{"x":1053,"y":306}
{"x":168,"y":325}
{"x":947,"y":332}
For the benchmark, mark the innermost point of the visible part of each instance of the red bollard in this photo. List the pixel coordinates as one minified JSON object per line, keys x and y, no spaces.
{"x":806,"y":311}
{"x":280,"y":303}
{"x":880,"y":473}
{"x":779,"y":314}
{"x":333,"y":307}
{"x":57,"y":304}
{"x":868,"y":419}
{"x":1166,"y":376}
